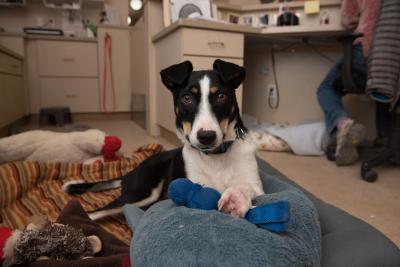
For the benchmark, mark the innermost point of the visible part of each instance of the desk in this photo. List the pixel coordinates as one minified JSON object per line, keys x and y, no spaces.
{"x":202,"y":42}
{"x":268,"y":32}
{"x":179,"y":41}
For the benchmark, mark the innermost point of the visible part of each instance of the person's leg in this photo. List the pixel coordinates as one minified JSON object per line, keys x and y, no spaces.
{"x":348,"y":133}
{"x":330,"y":100}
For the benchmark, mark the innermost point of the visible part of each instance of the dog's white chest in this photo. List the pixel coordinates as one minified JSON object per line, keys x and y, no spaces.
{"x":221,"y":171}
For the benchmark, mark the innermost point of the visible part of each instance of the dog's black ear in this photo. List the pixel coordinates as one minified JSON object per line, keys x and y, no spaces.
{"x":230,"y":73}
{"x":176,"y":75}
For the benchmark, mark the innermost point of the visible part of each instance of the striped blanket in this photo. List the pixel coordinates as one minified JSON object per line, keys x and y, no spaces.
{"x":384,"y":59}
{"x":32,"y":188}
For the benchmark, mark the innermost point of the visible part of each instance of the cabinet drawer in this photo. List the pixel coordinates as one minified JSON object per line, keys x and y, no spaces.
{"x":9,"y":64}
{"x":212,"y":43}
{"x":67,"y":59}
{"x":80,"y":95}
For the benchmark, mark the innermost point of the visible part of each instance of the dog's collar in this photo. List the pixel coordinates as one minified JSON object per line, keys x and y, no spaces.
{"x":221,"y":149}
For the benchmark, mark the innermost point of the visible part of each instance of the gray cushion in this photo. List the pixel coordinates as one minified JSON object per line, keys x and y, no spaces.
{"x":346,"y":240}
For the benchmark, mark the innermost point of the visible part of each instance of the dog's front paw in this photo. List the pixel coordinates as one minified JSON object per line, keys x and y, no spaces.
{"x":234,"y":202}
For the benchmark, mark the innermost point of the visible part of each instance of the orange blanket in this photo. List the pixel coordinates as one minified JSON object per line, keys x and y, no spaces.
{"x":32,"y":188}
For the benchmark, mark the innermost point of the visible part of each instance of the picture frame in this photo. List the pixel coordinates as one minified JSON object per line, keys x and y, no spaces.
{"x":233,"y":18}
{"x":177,"y":9}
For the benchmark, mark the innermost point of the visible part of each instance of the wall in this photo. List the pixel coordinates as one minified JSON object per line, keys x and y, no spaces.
{"x":139,"y":52}
{"x":123,"y":8}
{"x":35,"y":14}
{"x":299,"y":72}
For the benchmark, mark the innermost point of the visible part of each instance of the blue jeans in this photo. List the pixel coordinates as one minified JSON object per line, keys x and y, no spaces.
{"x":329,"y":98}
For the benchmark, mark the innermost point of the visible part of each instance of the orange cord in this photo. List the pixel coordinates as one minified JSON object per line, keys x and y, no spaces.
{"x":108,"y":52}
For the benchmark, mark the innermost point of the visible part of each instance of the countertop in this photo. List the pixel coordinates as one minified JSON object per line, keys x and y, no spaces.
{"x":268,"y":32}
{"x":47,"y":37}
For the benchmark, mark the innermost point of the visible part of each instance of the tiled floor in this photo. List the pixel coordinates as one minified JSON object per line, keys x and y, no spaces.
{"x":377,"y":203}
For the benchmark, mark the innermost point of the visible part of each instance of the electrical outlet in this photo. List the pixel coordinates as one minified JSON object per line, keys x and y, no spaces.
{"x":272,"y":93}
{"x":51,"y":22}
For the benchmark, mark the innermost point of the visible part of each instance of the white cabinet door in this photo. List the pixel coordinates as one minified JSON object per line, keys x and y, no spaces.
{"x":67,"y":59}
{"x":80,"y":95}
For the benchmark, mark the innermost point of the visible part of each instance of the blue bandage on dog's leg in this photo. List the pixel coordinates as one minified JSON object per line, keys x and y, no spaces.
{"x":273,"y":216}
{"x":185,"y":193}
{"x":179,"y":189}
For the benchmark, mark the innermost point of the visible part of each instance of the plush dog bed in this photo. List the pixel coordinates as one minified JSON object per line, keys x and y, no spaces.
{"x":29,"y":188}
{"x":346,"y":240}
{"x":181,"y":236}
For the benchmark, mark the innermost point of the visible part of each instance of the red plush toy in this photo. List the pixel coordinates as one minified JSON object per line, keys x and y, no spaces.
{"x":110,"y":148}
{"x":5,"y":233}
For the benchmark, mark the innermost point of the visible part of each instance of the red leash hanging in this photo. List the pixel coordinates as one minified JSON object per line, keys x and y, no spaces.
{"x":108,"y":52}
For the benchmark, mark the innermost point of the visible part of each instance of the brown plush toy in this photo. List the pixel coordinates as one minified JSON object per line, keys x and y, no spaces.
{"x":43,"y":240}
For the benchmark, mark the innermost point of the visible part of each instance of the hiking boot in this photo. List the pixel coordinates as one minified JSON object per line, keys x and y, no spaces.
{"x":349,"y":135}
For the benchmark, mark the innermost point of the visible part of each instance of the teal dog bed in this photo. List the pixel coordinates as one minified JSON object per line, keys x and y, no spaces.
{"x":170,"y":235}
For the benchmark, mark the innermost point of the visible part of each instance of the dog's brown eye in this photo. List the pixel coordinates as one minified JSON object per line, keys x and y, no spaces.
{"x":221,"y":98}
{"x":186,"y":99}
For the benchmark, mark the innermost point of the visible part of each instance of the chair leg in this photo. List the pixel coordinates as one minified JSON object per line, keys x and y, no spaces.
{"x":42,"y":117}
{"x":370,"y":175}
{"x":59,"y":119}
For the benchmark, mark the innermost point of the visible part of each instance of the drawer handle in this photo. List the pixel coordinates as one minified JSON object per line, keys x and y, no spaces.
{"x":70,"y":96}
{"x":69,"y":59}
{"x":222,"y":44}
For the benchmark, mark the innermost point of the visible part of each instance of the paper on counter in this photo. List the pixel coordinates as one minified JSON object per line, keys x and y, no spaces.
{"x":311,"y":7}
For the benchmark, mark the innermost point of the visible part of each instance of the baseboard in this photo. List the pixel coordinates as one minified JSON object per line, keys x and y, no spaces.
{"x":170,"y":136}
{"x":79,"y":117}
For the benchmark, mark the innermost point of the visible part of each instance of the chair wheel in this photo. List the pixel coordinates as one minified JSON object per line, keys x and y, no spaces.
{"x":367,"y":174}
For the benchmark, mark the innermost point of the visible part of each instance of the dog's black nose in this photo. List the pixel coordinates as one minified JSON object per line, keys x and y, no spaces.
{"x":206,"y":137}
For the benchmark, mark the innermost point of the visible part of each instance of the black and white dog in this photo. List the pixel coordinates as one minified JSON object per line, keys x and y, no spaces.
{"x":218,"y":151}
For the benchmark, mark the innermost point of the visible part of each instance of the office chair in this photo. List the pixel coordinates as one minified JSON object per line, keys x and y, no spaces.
{"x":386,"y":148}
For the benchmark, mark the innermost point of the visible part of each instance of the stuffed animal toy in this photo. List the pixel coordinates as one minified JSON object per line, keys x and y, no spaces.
{"x":45,"y":146}
{"x":43,"y":240}
{"x":273,"y":216}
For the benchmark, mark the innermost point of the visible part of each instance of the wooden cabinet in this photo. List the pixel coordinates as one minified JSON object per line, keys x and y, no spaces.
{"x":10,"y":65}
{"x":63,"y":73}
{"x":202,"y":48}
{"x":67,"y":59}
{"x":79,"y":94}
{"x":121,"y":67}
{"x":12,"y":94}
